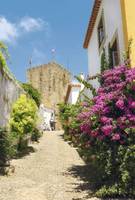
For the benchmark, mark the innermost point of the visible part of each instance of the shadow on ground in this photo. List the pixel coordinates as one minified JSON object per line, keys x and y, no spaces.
{"x":25,"y":152}
{"x":82,"y":172}
{"x":66,"y":140}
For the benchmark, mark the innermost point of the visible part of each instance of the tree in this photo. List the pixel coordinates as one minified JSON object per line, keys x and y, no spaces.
{"x":33,"y":93}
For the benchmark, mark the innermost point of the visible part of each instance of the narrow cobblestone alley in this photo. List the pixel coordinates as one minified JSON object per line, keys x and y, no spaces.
{"x":46,"y":173}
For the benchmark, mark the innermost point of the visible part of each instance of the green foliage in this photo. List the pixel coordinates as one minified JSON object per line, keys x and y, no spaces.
{"x":112,"y":172}
{"x":127,"y":53}
{"x":87,"y":85}
{"x":107,"y":63}
{"x":33,"y":93}
{"x":121,"y":173}
{"x":127,"y":170}
{"x":4,"y":50}
{"x":104,"y":63}
{"x":4,"y":56}
{"x":111,"y":162}
{"x":67,"y":115}
{"x":23,"y":118}
{"x":106,"y":191}
{"x":3,"y":62}
{"x":68,"y":111}
{"x":36,"y":134}
{"x":110,"y":60}
{"x":6,"y":147}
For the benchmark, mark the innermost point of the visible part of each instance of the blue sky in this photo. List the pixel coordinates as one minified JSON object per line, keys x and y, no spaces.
{"x":32,"y":28}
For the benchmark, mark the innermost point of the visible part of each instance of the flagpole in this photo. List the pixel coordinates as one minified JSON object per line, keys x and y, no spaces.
{"x":53,"y":51}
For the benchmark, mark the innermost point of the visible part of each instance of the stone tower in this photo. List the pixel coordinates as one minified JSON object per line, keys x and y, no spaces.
{"x":52,"y":81}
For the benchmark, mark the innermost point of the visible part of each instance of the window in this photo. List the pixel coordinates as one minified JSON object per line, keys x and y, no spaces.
{"x":115,"y":53}
{"x":101,"y":32}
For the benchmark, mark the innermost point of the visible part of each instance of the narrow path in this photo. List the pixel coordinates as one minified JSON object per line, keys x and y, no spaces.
{"x":50,"y":173}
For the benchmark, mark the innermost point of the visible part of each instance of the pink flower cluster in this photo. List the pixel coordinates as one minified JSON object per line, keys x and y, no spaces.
{"x":113,"y":108}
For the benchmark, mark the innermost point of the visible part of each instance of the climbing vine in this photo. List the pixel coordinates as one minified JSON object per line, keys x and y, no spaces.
{"x":104,"y":63}
{"x":33,"y":93}
{"x":4,"y":56}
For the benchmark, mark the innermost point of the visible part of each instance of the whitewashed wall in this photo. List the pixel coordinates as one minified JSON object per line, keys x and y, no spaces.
{"x":74,"y":94}
{"x":9,"y":92}
{"x":113,"y":23}
{"x":84,"y":94}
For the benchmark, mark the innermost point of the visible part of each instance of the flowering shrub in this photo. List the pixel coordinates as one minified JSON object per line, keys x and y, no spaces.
{"x":113,"y":111}
{"x":67,"y":114}
{"x":106,"y":133}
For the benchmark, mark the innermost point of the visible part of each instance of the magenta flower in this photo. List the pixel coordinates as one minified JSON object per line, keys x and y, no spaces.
{"x":133,"y":87}
{"x":107,"y":130}
{"x":106,"y":110}
{"x":94,"y":133}
{"x":101,"y":119}
{"x":116,"y":137}
{"x":120,"y":104}
{"x":106,"y":120}
{"x":132,"y":105}
{"x":85,"y":128}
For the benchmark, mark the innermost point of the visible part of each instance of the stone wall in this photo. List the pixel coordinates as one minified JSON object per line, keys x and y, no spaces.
{"x":9,"y":92}
{"x":52,"y":81}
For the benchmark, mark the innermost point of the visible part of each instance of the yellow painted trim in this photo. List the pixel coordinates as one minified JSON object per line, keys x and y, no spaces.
{"x":128,"y":17}
{"x":124,"y":22}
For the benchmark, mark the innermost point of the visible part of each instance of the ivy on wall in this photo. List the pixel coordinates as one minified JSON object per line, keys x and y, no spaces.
{"x":104,"y":62}
{"x":32,"y":92}
{"x":110,"y":60}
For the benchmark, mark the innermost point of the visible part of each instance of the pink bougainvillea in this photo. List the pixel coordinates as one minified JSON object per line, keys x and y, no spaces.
{"x":113,"y":109}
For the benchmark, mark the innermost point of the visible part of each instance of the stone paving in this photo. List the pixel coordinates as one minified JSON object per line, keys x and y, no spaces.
{"x":44,"y":174}
{"x":49,"y":173}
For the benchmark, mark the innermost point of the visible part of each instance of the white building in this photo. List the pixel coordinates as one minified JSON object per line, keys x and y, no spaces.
{"x":105,"y":30}
{"x":46,"y":115}
{"x":73,"y":93}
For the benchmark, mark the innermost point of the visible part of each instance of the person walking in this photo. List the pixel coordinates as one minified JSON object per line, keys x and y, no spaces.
{"x":52,"y":122}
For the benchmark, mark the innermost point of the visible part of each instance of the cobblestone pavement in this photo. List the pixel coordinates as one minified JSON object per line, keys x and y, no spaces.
{"x":45,"y":174}
{"x":49,"y":173}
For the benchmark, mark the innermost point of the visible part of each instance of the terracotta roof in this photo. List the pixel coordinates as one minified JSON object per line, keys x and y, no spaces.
{"x":69,"y":89}
{"x":92,"y":21}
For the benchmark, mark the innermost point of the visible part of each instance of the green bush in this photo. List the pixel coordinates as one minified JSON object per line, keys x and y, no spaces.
{"x":105,"y":191}
{"x":111,"y":166}
{"x":7,"y":150}
{"x":67,"y":115}
{"x":4,"y":147}
{"x":127,"y":170}
{"x":36,"y":134}
{"x":33,"y":93}
{"x":23,"y":120}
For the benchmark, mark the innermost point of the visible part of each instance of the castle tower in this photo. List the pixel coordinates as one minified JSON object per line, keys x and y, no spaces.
{"x":52,"y":81}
